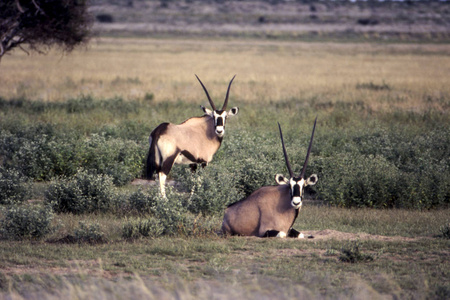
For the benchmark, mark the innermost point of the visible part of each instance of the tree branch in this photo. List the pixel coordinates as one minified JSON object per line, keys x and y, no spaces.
{"x":38,"y":8}
{"x":19,"y":7}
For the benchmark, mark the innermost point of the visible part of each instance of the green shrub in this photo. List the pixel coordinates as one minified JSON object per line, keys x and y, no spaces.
{"x":251,"y":160}
{"x":136,"y":228}
{"x":143,"y":201}
{"x":43,"y":154}
{"x":40,"y":152}
{"x":81,"y":104}
{"x":210,"y":189}
{"x":378,"y":167}
{"x":199,"y":225}
{"x":427,"y":188}
{"x":170,"y":211}
{"x":354,"y":180}
{"x":168,"y":216}
{"x":394,"y":158}
{"x":89,"y":233}
{"x":352,"y":254}
{"x":84,"y":193}
{"x":445,"y":231}
{"x":14,"y":187}
{"x":122,"y":160}
{"x":26,"y":222}
{"x":257,"y":172}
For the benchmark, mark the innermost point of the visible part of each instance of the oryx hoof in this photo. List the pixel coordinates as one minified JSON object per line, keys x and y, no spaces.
{"x":281,"y":234}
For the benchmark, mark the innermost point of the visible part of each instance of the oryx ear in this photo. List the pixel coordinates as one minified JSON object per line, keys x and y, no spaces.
{"x":207,"y":110}
{"x":312,"y":180}
{"x":233,"y":111}
{"x":281,"y":180}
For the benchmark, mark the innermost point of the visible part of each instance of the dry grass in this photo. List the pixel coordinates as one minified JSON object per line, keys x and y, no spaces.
{"x":267,"y":71}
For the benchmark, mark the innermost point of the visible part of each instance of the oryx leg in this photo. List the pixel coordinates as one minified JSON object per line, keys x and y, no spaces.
{"x":166,"y":167}
{"x":295,"y":234}
{"x":193,"y":167}
{"x":274,"y":233}
{"x":162,"y":183}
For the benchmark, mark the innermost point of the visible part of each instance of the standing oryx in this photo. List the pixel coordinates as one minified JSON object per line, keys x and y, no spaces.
{"x":271,"y":210}
{"x":192,"y":142}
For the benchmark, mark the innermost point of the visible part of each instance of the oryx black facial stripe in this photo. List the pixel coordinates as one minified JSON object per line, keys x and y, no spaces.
{"x":296,"y":191}
{"x":219,"y":121}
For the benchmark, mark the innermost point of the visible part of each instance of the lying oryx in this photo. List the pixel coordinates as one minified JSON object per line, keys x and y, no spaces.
{"x":192,"y":142}
{"x":271,"y":210}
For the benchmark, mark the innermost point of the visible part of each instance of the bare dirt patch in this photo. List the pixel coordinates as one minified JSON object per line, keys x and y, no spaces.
{"x":329,"y":234}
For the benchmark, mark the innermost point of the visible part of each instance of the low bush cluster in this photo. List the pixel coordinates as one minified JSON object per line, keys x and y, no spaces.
{"x":142,"y":227}
{"x":41,"y":152}
{"x":351,"y":253}
{"x":376,"y":168}
{"x":362,"y":158}
{"x":445,"y":231}
{"x":143,"y":201}
{"x":14,"y":187}
{"x":26,"y":222}
{"x":89,"y":233}
{"x":176,"y":214}
{"x":83,"y":193}
{"x":210,"y":189}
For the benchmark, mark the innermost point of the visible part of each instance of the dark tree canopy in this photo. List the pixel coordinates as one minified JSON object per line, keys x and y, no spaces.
{"x":40,"y":24}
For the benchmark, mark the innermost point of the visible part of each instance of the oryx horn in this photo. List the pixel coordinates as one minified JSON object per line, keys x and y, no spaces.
{"x":224,"y":107}
{"x":309,"y":151}
{"x":207,"y":94}
{"x":288,"y":165}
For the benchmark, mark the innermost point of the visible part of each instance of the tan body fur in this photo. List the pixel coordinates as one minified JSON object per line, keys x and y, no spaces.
{"x":190,"y":136}
{"x":268,"y":208}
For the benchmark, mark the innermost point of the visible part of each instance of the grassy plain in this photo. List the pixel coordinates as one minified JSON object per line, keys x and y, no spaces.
{"x":266,"y":71}
{"x":408,"y":261}
{"x":396,"y":88}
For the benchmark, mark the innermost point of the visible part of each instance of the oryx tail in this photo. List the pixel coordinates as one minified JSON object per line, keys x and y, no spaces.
{"x":154,"y":163}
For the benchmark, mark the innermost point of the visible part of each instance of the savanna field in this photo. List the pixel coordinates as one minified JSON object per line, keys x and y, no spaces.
{"x":78,"y":222}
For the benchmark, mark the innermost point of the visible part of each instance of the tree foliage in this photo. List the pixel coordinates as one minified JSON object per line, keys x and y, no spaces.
{"x":40,"y":24}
